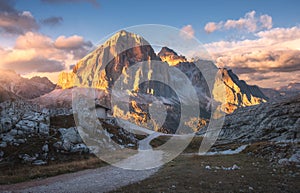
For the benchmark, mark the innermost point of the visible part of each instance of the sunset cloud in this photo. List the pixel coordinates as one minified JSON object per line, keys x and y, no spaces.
{"x":274,"y":51}
{"x":250,"y":23}
{"x":35,"y":52}
{"x":72,"y":42}
{"x":187,"y":32}
{"x":211,"y":27}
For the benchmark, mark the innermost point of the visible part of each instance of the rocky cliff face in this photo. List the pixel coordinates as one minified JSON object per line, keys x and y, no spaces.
{"x":170,"y":56}
{"x":276,"y":121}
{"x":128,"y":62}
{"x":238,"y":92}
{"x":23,"y":87}
{"x":102,"y":68}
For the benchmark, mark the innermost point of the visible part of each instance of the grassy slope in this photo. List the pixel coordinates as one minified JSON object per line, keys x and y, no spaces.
{"x":188,"y":174}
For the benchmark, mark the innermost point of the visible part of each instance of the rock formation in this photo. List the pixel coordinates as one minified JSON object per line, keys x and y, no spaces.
{"x":112,"y":60}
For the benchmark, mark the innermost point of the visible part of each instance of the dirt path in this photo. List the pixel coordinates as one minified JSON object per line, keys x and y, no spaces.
{"x":95,"y":180}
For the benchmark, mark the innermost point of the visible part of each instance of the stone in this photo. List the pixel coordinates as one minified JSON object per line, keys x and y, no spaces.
{"x":235,"y":167}
{"x":20,"y":141}
{"x":13,"y":132}
{"x":1,"y":154}
{"x":44,"y":128}
{"x":6,"y":124}
{"x":3,"y":144}
{"x":27,"y":126}
{"x":57,"y":145}
{"x":45,"y":148}
{"x":27,"y":158}
{"x":208,"y":167}
{"x":70,"y":135}
{"x":295,"y":157}
{"x":79,"y":148}
{"x":8,"y":138}
{"x":284,"y":161}
{"x":39,"y":162}
{"x":66,"y":146}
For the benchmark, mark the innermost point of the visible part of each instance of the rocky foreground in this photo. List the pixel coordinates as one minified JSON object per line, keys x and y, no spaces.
{"x":273,"y":128}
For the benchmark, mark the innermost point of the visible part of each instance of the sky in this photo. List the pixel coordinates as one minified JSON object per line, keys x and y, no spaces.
{"x":258,"y":40}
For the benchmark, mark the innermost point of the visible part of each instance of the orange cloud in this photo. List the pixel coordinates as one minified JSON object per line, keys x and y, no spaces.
{"x":69,"y":42}
{"x":187,"y":32}
{"x":34,"y":52}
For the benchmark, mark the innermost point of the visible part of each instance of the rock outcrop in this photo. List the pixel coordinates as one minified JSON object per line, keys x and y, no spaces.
{"x":274,"y":121}
{"x":237,"y":92}
{"x":170,"y":56}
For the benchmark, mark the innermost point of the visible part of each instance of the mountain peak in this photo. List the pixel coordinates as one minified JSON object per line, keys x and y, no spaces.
{"x":170,"y":56}
{"x":125,"y":39}
{"x":107,"y":62}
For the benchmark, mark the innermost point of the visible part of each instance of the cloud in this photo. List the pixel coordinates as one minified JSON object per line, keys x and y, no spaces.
{"x":72,"y":42}
{"x":266,"y":21}
{"x":35,"y":52}
{"x":274,"y":52}
{"x":32,"y":40}
{"x":36,"y":64}
{"x":281,"y":34}
{"x":14,"y":22}
{"x":17,"y":22}
{"x":211,"y":27}
{"x":93,"y":2}
{"x":262,"y":61}
{"x":187,"y":32}
{"x":250,"y":23}
{"x":52,"y":21}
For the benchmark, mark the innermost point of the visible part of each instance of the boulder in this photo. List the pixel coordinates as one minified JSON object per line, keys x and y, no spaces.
{"x":79,"y":148}
{"x":39,"y":162}
{"x":45,"y":148}
{"x":44,"y":128}
{"x":27,"y":158}
{"x":6,"y":124}
{"x":70,"y":135}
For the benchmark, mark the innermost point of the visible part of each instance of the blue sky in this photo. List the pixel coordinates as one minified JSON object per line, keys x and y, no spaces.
{"x":258,"y":39}
{"x":95,"y":22}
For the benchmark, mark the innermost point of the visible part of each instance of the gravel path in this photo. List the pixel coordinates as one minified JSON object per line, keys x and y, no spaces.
{"x":102,"y":179}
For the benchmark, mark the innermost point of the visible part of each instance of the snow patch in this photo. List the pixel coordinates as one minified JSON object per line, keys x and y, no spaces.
{"x":226,"y":152}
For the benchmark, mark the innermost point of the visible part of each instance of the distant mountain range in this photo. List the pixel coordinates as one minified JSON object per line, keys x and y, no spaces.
{"x":13,"y":86}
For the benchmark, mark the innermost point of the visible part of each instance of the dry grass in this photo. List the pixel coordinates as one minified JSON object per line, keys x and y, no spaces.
{"x":188,"y":174}
{"x":28,"y":172}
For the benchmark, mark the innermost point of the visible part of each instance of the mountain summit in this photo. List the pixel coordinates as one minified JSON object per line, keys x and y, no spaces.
{"x":106,"y":63}
{"x":102,"y":67}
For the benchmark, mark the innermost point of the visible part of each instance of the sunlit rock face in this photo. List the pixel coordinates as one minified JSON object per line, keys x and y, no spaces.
{"x":170,"y":56}
{"x":101,"y":68}
{"x":66,"y":80}
{"x":127,"y":61}
{"x":238,"y":93}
